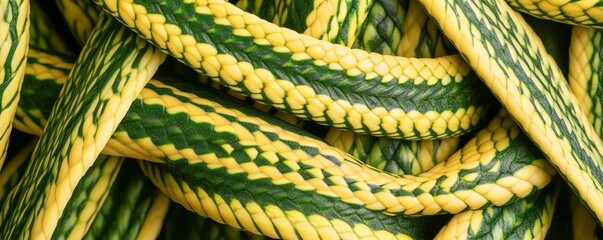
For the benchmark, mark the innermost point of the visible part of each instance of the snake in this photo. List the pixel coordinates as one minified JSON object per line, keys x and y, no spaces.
{"x":80,"y":16}
{"x":581,"y":12}
{"x":397,"y":27}
{"x":14,"y":32}
{"x":134,"y":196}
{"x":549,"y":114}
{"x":113,"y":199}
{"x":393,"y":155}
{"x":137,"y":137}
{"x":57,"y":165}
{"x":326,"y":99}
{"x":526,"y":80}
{"x":528,"y":218}
{"x":184,"y":224}
{"x":578,"y":166}
{"x":381,"y":32}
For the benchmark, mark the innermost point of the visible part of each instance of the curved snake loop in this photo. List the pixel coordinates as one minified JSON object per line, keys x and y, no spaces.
{"x":523,"y":76}
{"x":576,"y":12}
{"x":313,"y":79}
{"x":135,"y":137}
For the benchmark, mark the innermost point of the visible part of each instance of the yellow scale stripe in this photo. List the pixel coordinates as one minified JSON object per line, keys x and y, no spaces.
{"x":96,"y":197}
{"x":424,"y":155}
{"x":581,"y":12}
{"x":504,"y":84}
{"x":327,"y":16}
{"x":467,"y":225}
{"x":341,"y":139}
{"x":282,"y":12}
{"x":151,"y":226}
{"x":432,"y":152}
{"x":522,"y":183}
{"x":413,"y":26}
{"x":84,"y":148}
{"x":13,"y":26}
{"x":584,"y":82}
{"x":416,"y":22}
{"x":23,"y":121}
{"x":583,"y":59}
{"x":287,"y":117}
{"x":269,"y":220}
{"x":323,"y":16}
{"x":79,"y":150}
{"x":260,"y":81}
{"x":80,"y":16}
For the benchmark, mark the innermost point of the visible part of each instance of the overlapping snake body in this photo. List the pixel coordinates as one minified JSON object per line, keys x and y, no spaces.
{"x":272,"y":156}
{"x":222,"y":159}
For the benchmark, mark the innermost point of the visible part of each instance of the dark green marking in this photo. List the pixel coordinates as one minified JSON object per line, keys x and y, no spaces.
{"x":335,"y":83}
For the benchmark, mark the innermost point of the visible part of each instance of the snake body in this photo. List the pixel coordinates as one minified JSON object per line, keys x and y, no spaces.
{"x":584,"y":71}
{"x":331,"y":97}
{"x":223,"y":159}
{"x":26,"y":212}
{"x":581,"y":12}
{"x":299,"y":168}
{"x":402,"y":27}
{"x":538,"y":98}
{"x":14,"y":39}
{"x":528,"y":218}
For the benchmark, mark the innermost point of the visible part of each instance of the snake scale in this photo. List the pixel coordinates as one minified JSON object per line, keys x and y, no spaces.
{"x":348,"y":64}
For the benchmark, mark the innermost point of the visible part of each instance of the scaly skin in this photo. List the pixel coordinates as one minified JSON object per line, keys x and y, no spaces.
{"x":80,"y":16}
{"x":576,"y":12}
{"x":585,"y":67}
{"x":14,"y":41}
{"x":313,"y":79}
{"x":512,"y":61}
{"x":528,"y":218}
{"x":164,"y":104}
{"x":79,"y":127}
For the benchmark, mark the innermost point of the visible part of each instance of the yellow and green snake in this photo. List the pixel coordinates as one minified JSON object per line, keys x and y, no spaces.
{"x":14,"y":39}
{"x":232,"y":163}
{"x":41,"y":196}
{"x":451,"y":186}
{"x":323,"y":82}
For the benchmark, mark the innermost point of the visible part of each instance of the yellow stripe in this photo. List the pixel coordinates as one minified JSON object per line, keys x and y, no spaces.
{"x":14,"y":40}
{"x":151,"y":226}
{"x":80,"y":16}
{"x":531,"y":115}
{"x":304,"y":101}
{"x":575,"y":12}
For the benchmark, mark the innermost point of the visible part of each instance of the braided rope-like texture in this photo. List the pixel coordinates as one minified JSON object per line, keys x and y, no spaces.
{"x":313,"y":79}
{"x":319,"y":218}
{"x":259,"y":148}
{"x":72,"y":141}
{"x":262,"y":141}
{"x":528,"y":218}
{"x":43,"y":33}
{"x":88,"y":198}
{"x":128,"y":203}
{"x":80,"y":16}
{"x":512,"y":61}
{"x":576,"y":12}
{"x":14,"y":40}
